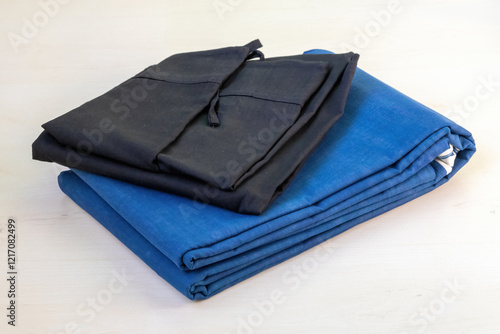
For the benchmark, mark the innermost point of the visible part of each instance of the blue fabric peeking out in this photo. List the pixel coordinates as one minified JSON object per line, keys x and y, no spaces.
{"x":381,"y":154}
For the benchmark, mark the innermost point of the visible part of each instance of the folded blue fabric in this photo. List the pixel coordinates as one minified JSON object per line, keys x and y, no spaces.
{"x":386,"y":150}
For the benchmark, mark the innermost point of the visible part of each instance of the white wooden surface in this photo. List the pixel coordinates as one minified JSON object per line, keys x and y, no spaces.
{"x":389,"y":275}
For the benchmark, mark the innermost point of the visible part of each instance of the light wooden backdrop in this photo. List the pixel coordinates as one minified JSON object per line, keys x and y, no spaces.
{"x":430,"y":266}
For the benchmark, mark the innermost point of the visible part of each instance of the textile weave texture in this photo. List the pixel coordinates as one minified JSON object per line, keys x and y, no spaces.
{"x":386,"y":150}
{"x":214,"y":126}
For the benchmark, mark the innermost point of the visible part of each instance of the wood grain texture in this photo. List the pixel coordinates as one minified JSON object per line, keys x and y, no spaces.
{"x":430,"y":266}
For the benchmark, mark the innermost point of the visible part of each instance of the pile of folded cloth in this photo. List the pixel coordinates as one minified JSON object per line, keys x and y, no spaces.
{"x":213,"y":166}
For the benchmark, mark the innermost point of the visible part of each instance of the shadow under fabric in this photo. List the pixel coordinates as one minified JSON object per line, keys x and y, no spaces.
{"x":386,"y":150}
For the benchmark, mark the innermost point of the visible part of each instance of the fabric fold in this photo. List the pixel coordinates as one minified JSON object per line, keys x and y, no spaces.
{"x":210,"y":125}
{"x":386,"y":150}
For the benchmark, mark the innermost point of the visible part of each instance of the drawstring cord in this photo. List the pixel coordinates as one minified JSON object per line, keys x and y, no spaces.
{"x":213,"y":118}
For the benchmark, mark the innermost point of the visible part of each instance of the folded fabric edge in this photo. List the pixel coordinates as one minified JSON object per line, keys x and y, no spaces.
{"x":421,"y":156}
{"x":343,"y":83}
{"x":446,"y":164}
{"x":84,"y":196}
{"x":200,"y":257}
{"x":47,"y":148}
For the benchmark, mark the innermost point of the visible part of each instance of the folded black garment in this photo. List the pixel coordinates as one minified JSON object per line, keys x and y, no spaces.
{"x":216,"y":126}
{"x":387,"y":150}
